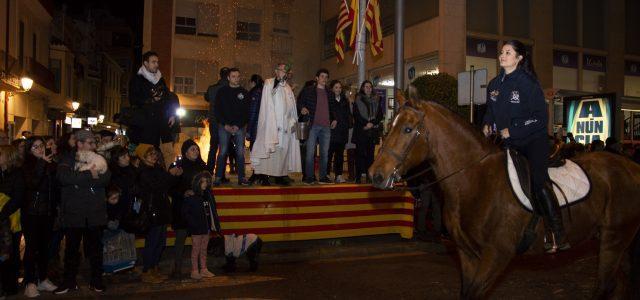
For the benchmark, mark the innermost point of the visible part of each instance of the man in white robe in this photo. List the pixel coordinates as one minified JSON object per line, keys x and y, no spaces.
{"x":276,"y":151}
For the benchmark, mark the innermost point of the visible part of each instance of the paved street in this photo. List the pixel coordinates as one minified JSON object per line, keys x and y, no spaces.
{"x":391,"y":269}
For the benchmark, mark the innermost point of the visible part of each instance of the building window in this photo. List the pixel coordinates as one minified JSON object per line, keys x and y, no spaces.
{"x":55,"y":65}
{"x":328,"y":42}
{"x":281,"y":23}
{"x":593,"y":24}
{"x":185,"y":25}
{"x":565,"y":22}
{"x":282,"y":44}
{"x":632,"y":28}
{"x":248,"y":24}
{"x":184,"y":85}
{"x":482,"y":16}
{"x":120,"y":39}
{"x":516,"y":18}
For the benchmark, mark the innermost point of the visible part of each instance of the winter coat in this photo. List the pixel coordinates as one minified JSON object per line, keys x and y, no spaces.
{"x":232,"y":106}
{"x":342,"y":113}
{"x":12,"y":185}
{"x":124,"y":178}
{"x":360,"y":135}
{"x":5,"y":239}
{"x":255,"y":96}
{"x":154,"y":184}
{"x":200,"y":210}
{"x":41,"y":186}
{"x":210,"y":96}
{"x":83,"y":198}
{"x":309,"y":100}
{"x":516,"y":101}
{"x":152,"y":118}
{"x":189,"y":170}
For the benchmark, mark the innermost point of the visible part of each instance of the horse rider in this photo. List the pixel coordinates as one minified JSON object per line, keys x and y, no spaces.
{"x":516,"y":110}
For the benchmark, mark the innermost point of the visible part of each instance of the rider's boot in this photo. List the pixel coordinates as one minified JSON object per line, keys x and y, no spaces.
{"x":552,"y":216}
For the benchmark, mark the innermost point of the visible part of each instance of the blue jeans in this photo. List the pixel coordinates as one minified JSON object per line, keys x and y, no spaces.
{"x":317,"y":135}
{"x":225,"y":138}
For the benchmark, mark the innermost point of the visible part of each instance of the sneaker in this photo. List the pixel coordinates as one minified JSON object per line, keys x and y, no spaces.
{"x":31,"y":291}
{"x":97,"y":287}
{"x":65,"y":288}
{"x":148,"y":277}
{"x":308,"y":182}
{"x":244,"y":182}
{"x":46,"y":286}
{"x":325,"y":180}
{"x":195,"y":275}
{"x":340,"y":179}
{"x":204,"y":273}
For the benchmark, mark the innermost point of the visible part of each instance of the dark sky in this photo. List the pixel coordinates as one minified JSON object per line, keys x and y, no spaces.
{"x":132,"y":11}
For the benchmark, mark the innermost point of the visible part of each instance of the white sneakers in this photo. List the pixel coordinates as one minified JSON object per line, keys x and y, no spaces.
{"x":47,"y":286}
{"x":340,"y":179}
{"x":196,"y":275}
{"x":33,"y":291}
{"x":206,"y":274}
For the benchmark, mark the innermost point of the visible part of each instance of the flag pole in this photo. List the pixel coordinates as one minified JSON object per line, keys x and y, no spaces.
{"x":362,"y":39}
{"x":399,"y":49}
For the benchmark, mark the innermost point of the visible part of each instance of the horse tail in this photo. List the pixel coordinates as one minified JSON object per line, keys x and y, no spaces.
{"x":634,"y":275}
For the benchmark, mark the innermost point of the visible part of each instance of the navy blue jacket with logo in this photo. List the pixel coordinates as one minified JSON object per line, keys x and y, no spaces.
{"x":516,"y":101}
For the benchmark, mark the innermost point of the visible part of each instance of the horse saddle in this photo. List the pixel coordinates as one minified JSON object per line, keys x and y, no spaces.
{"x":570,"y":182}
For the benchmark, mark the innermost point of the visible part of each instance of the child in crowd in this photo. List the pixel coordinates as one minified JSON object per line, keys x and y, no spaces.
{"x":199,"y":209}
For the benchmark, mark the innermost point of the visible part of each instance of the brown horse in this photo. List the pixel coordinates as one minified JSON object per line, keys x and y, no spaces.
{"x":482,"y":214}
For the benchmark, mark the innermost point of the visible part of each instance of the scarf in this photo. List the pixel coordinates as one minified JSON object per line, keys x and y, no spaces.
{"x":152,"y":77}
{"x":367,"y":107}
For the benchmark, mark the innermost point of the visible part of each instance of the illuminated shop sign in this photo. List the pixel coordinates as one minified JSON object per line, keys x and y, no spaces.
{"x":590,"y":118}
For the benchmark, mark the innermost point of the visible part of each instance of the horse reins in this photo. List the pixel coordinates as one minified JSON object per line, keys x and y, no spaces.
{"x":401,"y":157}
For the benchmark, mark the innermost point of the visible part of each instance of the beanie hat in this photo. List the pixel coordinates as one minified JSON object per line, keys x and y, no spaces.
{"x":143,"y":149}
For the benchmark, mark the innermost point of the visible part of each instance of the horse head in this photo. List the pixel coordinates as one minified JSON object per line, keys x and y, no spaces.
{"x":406,"y":144}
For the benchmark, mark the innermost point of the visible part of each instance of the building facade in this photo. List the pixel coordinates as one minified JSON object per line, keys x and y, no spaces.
{"x":578,"y":46}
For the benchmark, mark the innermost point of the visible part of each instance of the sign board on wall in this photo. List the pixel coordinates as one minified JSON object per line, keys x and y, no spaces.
{"x":594,"y":63}
{"x":632,"y":68}
{"x":590,"y":117}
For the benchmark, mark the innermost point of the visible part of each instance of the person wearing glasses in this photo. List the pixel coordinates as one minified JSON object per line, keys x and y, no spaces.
{"x":84,"y":214}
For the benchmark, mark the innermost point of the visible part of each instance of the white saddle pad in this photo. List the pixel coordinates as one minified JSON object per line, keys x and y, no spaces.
{"x":571,"y":183}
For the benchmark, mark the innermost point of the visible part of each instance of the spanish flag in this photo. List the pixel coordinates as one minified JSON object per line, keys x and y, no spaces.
{"x":372,"y":22}
{"x":344,"y":20}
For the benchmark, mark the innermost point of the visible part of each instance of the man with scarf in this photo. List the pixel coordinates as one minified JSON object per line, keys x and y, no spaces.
{"x":276,"y":151}
{"x":155,"y":108}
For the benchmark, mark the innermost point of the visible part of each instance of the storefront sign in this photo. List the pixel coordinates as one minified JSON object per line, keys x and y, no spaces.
{"x":632,"y":68}
{"x":482,"y":48}
{"x":565,"y":59}
{"x":594,"y":63}
{"x":590,"y":118}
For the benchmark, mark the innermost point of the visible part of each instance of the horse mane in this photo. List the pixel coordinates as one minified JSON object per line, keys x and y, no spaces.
{"x":467,"y":130}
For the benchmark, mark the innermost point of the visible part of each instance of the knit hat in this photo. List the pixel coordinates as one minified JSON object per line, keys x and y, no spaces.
{"x":143,"y":149}
{"x":186,"y":145}
{"x":82,"y":135}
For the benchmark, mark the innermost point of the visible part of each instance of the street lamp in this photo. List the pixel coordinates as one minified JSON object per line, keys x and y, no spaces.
{"x":100,"y":118}
{"x":75,"y":105}
{"x":27,"y":83}
{"x":181,"y":112}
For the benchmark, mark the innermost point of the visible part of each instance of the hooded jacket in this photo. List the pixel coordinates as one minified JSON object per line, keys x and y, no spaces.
{"x":200,"y":209}
{"x":189,"y":170}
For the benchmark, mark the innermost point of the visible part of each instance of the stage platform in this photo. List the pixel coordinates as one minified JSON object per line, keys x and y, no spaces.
{"x":313,"y":212}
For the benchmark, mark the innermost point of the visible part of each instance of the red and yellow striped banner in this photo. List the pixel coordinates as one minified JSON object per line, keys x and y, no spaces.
{"x":307,"y":213}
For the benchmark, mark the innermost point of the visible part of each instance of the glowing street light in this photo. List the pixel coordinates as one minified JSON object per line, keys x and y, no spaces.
{"x":75,"y":105}
{"x":100,"y":118}
{"x":27,"y":83}
{"x":181,"y":112}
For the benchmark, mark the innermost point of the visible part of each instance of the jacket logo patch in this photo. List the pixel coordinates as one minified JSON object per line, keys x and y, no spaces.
{"x":494,"y":95}
{"x":515,"y":97}
{"x":240,"y":96}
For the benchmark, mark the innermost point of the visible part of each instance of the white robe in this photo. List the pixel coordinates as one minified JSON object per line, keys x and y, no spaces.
{"x":276,"y":151}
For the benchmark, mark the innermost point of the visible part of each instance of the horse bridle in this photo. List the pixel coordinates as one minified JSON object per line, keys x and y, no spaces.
{"x":420,"y":130}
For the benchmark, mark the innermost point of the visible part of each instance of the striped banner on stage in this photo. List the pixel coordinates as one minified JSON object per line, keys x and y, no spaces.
{"x":306,"y":213}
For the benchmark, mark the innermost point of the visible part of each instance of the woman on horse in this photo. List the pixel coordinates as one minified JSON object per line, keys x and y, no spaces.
{"x":516,"y":110}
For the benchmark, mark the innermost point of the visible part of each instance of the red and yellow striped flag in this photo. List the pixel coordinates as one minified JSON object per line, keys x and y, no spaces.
{"x":353,"y":14}
{"x":344,"y":20}
{"x":372,"y":22}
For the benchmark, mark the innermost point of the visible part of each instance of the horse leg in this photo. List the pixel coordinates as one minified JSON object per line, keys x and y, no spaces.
{"x":468,"y":265}
{"x":489,"y":267}
{"x":612,"y":250}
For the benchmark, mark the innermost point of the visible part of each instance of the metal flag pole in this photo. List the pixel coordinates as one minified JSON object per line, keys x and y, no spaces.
{"x":399,"y":50}
{"x":362,"y":39}
{"x":471,"y":73}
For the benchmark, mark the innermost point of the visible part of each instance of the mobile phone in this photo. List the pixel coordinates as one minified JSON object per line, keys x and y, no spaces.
{"x":47,"y":151}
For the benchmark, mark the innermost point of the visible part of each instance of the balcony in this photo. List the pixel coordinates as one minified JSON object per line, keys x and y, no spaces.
{"x":41,"y":75}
